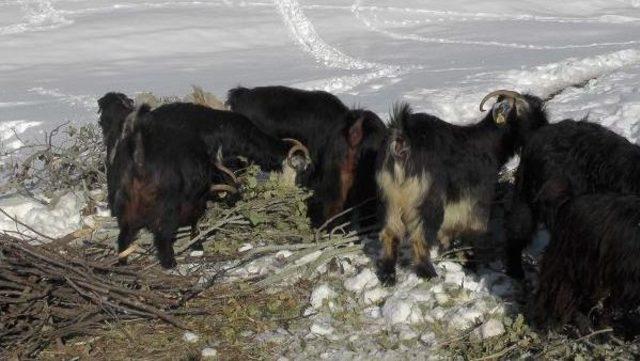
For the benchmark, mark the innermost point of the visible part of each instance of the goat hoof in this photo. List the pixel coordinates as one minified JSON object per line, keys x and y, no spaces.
{"x":387,"y":279}
{"x":516,"y":272}
{"x":386,"y":273}
{"x":426,"y":270}
{"x":168,"y":263}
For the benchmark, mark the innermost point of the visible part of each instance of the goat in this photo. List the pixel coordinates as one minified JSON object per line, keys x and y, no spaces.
{"x":236,"y":135}
{"x":114,"y":109}
{"x":159,"y":172}
{"x":592,"y":259}
{"x":437,"y":179}
{"x":594,"y":160}
{"x":159,"y":179}
{"x":343,"y":143}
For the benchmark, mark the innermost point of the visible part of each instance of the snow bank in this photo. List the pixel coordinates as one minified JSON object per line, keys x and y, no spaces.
{"x":547,"y":79}
{"x":10,"y":130}
{"x":58,"y":220}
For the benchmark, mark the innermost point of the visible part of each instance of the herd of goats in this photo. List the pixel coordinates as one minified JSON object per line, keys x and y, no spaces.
{"x":430,"y":181}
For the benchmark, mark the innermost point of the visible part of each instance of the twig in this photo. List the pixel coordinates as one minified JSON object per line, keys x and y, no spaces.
{"x":442,"y":257}
{"x":15,"y":219}
{"x":208,"y":231}
{"x":497,"y":354}
{"x":585,"y":337}
{"x":309,"y":266}
{"x":330,"y":220}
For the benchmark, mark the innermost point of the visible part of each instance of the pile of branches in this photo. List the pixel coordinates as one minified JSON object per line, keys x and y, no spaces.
{"x":69,"y":157}
{"x":50,"y":294}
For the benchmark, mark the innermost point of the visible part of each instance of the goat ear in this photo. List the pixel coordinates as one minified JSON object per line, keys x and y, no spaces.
{"x":355,"y":133}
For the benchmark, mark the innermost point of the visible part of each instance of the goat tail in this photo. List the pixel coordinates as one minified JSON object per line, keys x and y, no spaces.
{"x":400,"y":132}
{"x":400,"y":114}
{"x":133,"y":119}
{"x":234,"y":95}
{"x":129,"y":130}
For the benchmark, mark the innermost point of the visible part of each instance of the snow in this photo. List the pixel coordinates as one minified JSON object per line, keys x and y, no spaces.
{"x":196,"y":253}
{"x":190,"y":337}
{"x":400,"y":310}
{"x":209,"y":352}
{"x":428,"y":338}
{"x":365,"y":279}
{"x":374,"y":296}
{"x":56,"y":220}
{"x":370,"y":53}
{"x":322,"y":329}
{"x":441,"y":57}
{"x":320,"y":294}
{"x":491,"y":328}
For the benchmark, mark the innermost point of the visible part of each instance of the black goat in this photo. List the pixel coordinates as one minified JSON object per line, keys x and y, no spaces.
{"x":592,"y":259}
{"x":160,"y":171}
{"x":343,"y":143}
{"x":114,"y":109}
{"x":593,"y":159}
{"x":158,"y":179}
{"x":236,"y":135}
{"x":437,"y":179}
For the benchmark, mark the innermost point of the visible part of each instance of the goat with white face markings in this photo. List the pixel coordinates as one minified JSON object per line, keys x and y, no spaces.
{"x":437,"y":179}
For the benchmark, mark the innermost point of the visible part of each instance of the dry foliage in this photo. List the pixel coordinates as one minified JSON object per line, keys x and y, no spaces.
{"x":51,"y":293}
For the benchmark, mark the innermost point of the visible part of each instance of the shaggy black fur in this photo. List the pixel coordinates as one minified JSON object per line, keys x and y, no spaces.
{"x":161,"y":163}
{"x":456,"y":164}
{"x":592,"y":259}
{"x":113,"y":109}
{"x":592,"y":158}
{"x":159,"y":179}
{"x":235,"y":134}
{"x":343,"y":142}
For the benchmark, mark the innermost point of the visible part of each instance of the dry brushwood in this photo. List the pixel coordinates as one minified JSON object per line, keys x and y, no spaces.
{"x":74,"y":162}
{"x":72,"y":157}
{"x":49,"y":295}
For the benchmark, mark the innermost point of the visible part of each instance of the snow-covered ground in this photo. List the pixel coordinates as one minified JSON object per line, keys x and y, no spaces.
{"x":57,"y":57}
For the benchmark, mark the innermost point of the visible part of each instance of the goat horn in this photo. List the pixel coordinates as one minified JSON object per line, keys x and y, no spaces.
{"x":297,"y":146}
{"x":222,"y":168}
{"x":223,"y":188}
{"x":512,"y":95}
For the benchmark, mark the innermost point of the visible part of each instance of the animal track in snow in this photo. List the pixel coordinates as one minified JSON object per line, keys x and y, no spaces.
{"x":358,"y":8}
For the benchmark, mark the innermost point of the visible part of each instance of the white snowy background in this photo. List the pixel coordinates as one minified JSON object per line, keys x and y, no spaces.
{"x":58,"y":57}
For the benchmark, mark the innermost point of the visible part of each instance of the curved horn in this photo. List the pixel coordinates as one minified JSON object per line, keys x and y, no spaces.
{"x":297,"y":146}
{"x":222,"y":168}
{"x":507,"y":93}
{"x":222,"y":188}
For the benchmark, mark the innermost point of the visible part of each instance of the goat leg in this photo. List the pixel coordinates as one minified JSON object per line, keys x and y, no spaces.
{"x":125,"y":238}
{"x":386,"y":264}
{"x":163,"y":239}
{"x":424,"y":233}
{"x":520,"y":226}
